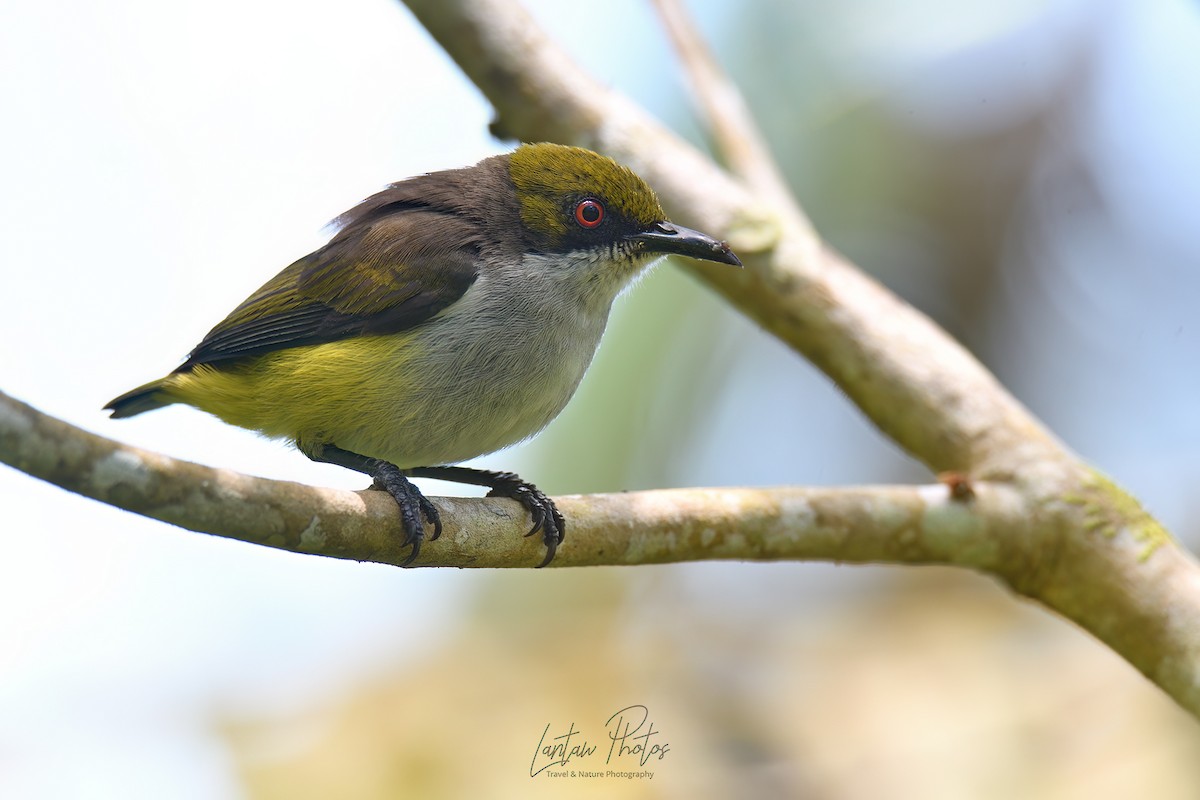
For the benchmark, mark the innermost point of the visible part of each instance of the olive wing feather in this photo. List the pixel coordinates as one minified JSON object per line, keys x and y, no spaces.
{"x":381,"y":275}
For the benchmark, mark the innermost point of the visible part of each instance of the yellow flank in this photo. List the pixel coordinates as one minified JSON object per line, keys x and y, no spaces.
{"x":332,"y":392}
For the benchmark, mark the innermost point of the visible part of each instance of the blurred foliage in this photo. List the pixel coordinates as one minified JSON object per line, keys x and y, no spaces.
{"x":932,"y":686}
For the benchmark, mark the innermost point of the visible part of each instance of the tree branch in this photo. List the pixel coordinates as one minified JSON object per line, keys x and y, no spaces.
{"x":1124,"y":580}
{"x":738,"y":139}
{"x":919,"y":525}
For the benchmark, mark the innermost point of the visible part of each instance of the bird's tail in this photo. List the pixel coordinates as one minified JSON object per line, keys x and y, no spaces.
{"x":144,"y":398}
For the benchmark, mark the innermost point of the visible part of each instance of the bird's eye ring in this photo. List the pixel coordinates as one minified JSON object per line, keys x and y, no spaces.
{"x":589,"y":213}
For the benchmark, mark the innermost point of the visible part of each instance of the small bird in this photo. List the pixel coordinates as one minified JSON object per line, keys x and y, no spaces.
{"x":451,"y":315}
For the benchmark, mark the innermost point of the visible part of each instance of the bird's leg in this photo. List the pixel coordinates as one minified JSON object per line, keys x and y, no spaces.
{"x":391,"y":479}
{"x":546,"y":516}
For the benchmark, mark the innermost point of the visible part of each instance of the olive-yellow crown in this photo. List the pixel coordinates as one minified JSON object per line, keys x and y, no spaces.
{"x":571,"y":198}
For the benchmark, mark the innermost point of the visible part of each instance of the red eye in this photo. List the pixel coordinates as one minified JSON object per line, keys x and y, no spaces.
{"x":589,"y":213}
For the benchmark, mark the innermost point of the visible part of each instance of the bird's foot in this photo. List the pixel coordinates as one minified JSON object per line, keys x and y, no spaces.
{"x":546,"y":516}
{"x":413,"y":506}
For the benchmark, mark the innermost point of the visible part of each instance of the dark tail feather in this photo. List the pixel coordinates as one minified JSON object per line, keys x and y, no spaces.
{"x":134,"y":402}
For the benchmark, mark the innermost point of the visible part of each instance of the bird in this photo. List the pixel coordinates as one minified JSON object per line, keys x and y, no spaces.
{"x":450,"y":315}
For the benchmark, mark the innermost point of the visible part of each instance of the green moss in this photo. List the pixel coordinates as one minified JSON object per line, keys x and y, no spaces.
{"x":1109,"y":509}
{"x":754,"y":230}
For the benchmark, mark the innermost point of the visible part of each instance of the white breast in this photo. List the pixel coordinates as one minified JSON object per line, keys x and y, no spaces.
{"x":497,"y":366}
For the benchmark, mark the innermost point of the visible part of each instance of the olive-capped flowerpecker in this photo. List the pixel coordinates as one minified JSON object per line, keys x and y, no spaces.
{"x":451,"y":315}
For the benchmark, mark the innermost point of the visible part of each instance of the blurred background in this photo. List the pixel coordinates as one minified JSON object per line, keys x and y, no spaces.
{"x":1025,"y":171}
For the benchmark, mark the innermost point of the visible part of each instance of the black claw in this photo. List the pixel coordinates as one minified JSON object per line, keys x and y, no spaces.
{"x":536,"y":512}
{"x":432,"y":514}
{"x":545,"y":515}
{"x":551,"y":547}
{"x":413,"y":505}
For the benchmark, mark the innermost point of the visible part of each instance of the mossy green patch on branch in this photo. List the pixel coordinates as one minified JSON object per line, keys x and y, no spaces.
{"x":1108,"y":510}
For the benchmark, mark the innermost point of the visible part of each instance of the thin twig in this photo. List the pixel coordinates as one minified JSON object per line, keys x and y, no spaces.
{"x":738,"y":138}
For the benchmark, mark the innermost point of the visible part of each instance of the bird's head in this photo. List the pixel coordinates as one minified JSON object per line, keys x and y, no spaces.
{"x":576,"y":203}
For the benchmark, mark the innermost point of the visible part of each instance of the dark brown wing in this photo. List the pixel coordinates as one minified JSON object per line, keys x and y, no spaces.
{"x":387,"y":271}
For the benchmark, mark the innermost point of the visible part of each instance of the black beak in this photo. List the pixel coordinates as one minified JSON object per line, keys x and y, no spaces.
{"x":671,"y":239}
